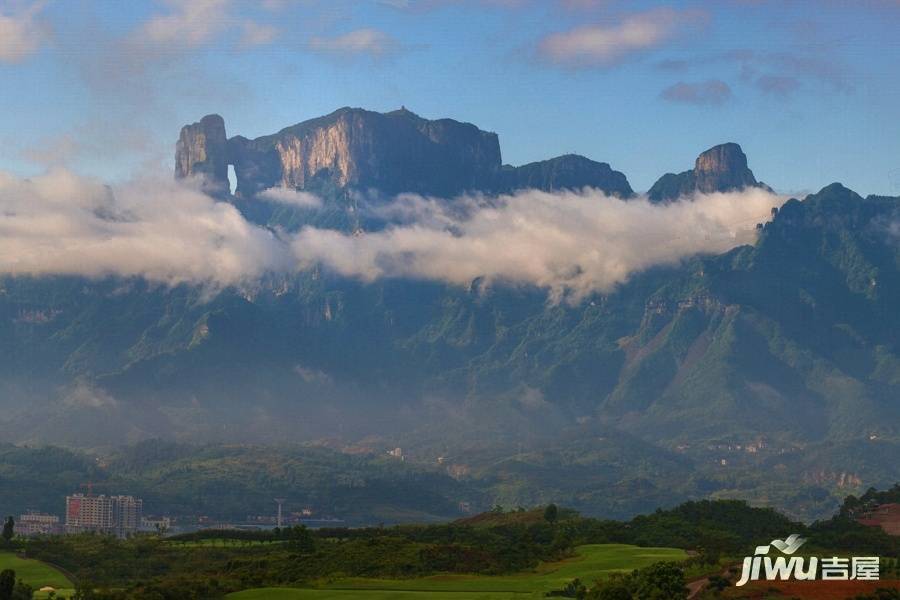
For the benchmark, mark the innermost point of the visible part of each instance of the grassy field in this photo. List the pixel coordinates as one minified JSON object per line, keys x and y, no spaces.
{"x":215,"y":543}
{"x":590,"y":563}
{"x":296,"y":594}
{"x":35,"y":573}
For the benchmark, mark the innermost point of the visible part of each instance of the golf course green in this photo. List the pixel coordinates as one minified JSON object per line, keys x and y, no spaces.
{"x":590,"y":563}
{"x":36,"y":574}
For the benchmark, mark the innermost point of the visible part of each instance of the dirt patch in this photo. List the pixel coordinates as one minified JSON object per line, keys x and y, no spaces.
{"x":886,"y":516}
{"x":810,"y":590}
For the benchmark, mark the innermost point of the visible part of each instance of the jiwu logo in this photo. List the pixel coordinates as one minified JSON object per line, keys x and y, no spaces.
{"x":781,"y":567}
{"x":762,"y":566}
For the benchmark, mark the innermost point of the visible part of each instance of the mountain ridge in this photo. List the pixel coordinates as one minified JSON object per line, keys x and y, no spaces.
{"x":392,"y":152}
{"x":788,"y":345}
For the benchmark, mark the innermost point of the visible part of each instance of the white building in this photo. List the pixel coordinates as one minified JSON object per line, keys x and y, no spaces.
{"x":36,"y":523}
{"x":117,"y":515}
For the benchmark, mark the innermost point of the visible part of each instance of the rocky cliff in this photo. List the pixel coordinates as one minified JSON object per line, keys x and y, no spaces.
{"x":201,"y":150}
{"x":571,"y":171}
{"x":392,"y":153}
{"x":722,"y":168}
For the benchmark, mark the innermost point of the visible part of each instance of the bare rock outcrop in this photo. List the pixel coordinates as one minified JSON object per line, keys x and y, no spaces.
{"x":201,"y":152}
{"x":722,"y":168}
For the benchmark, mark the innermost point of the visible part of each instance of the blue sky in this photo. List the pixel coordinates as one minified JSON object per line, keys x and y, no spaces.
{"x":810,"y":89}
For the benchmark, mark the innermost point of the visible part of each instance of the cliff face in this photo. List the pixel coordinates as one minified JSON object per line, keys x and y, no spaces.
{"x":353,"y":148}
{"x":201,"y":151}
{"x":391,"y":152}
{"x":722,"y":168}
{"x":568,"y":172}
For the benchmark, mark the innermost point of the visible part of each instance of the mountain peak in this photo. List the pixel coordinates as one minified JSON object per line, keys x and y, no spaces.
{"x":568,"y":172}
{"x":727,"y":157}
{"x":201,"y":150}
{"x":722,"y":168}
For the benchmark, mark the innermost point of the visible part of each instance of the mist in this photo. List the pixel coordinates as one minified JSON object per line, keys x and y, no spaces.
{"x":63,"y":224}
{"x":570,"y":243}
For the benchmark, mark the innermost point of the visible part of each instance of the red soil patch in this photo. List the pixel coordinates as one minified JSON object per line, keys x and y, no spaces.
{"x":886,"y":516}
{"x":812,"y":590}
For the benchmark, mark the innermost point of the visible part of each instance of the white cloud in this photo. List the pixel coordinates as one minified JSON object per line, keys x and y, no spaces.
{"x":291,"y":197}
{"x":360,"y":42}
{"x":256,"y":34}
{"x":606,"y":44}
{"x":570,"y":243}
{"x":20,"y":33}
{"x":60,"y":223}
{"x":189,"y":22}
{"x":193,"y":23}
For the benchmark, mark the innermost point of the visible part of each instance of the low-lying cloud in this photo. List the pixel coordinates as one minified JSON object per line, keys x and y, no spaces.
{"x":291,"y":197}
{"x":63,"y":224}
{"x":570,"y":243}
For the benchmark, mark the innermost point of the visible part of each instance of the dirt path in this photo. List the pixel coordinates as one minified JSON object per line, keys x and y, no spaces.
{"x":698,"y":585}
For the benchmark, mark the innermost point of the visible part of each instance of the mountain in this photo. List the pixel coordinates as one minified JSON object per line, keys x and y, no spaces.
{"x":776,"y":363}
{"x":568,"y":172}
{"x":392,"y":153}
{"x":722,"y":168}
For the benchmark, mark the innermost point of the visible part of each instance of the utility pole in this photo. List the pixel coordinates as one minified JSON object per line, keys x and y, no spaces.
{"x":280,"y":502}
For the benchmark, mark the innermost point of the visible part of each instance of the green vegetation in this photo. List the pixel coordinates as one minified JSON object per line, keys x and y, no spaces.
{"x":590,"y":562}
{"x":229,"y":482}
{"x":498,"y":554}
{"x":502,"y":552}
{"x":312,"y":594}
{"x":35,"y":574}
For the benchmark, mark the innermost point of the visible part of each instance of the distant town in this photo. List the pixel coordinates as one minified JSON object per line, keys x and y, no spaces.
{"x":123,"y":515}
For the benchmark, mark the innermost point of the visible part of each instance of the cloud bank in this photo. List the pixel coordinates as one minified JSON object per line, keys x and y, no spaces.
{"x":60,"y":223}
{"x":569,"y":243}
{"x":291,"y":197}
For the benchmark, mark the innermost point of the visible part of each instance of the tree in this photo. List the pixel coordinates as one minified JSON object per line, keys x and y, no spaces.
{"x":23,"y":591}
{"x":7,"y":584}
{"x":300,"y":538}
{"x":551,"y":513}
{"x":717,"y":583}
{"x":661,"y":581}
{"x":614,"y":591}
{"x":8,"y":530}
{"x":617,"y":587}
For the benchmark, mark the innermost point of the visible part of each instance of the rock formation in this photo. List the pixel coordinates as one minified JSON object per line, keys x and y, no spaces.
{"x":722,"y":168}
{"x":567,"y":172}
{"x":353,"y":148}
{"x":390,"y":152}
{"x":201,"y":151}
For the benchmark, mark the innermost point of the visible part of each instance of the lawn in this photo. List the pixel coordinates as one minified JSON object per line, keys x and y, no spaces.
{"x":35,"y":573}
{"x":296,"y":594}
{"x":590,"y":563}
